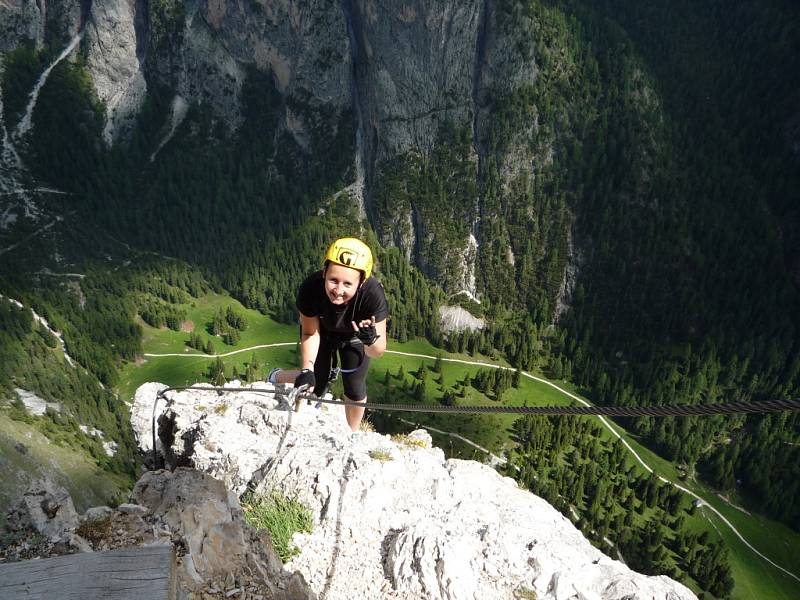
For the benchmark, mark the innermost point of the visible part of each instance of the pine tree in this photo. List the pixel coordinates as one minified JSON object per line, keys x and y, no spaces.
{"x":218,"y":323}
{"x":216,"y":372}
{"x":251,"y":374}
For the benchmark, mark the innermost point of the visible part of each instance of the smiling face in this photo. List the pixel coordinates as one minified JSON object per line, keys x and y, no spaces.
{"x":341,"y":283}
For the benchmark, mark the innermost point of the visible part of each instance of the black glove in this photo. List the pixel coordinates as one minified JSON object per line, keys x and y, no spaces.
{"x":367,"y":335}
{"x":306,"y":377}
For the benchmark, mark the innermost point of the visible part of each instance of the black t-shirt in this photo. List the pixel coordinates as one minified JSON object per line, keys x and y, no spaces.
{"x":335,"y":320}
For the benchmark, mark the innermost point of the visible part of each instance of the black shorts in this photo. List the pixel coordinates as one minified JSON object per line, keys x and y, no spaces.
{"x":350,"y":354}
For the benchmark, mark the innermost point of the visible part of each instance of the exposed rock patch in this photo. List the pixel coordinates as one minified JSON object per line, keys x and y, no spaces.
{"x":45,"y":508}
{"x":455,"y":318}
{"x":34,"y":404}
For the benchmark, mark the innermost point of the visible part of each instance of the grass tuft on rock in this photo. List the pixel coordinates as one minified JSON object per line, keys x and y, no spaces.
{"x":281,"y":516}
{"x":96,"y":531}
{"x":381,"y":455}
{"x":406,"y":440}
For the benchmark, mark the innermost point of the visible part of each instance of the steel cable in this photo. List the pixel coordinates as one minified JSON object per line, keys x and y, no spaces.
{"x":674,"y":410}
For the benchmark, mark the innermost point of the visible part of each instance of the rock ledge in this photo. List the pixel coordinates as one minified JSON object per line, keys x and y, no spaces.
{"x":393,"y":518}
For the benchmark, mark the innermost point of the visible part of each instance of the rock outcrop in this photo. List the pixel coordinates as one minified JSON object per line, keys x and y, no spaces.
{"x":218,"y":554}
{"x":393,"y":517}
{"x":46,"y":508}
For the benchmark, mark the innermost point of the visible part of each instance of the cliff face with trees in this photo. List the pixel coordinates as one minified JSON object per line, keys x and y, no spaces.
{"x":616,"y":182}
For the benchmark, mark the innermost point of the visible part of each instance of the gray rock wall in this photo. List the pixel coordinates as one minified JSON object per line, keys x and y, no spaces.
{"x":35,"y":20}
{"x":111,"y":49}
{"x":415,"y":67}
{"x":303,"y":44}
{"x":20,"y":20}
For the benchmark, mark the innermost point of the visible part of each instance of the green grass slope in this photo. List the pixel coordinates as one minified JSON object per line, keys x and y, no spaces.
{"x":192,"y":365}
{"x":26,"y":455}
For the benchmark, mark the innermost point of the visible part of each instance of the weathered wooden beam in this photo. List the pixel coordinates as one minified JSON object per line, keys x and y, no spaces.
{"x":124,"y":574}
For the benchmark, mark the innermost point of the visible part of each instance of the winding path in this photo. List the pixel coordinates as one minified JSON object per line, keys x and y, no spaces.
{"x":196,"y":355}
{"x":605,"y":422}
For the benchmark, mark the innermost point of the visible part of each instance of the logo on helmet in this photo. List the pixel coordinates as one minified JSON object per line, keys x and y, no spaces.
{"x":347,"y":258}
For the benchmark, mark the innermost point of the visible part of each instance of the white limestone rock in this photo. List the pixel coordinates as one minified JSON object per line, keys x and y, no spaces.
{"x":111,"y":50}
{"x":142,"y":414}
{"x":401,"y":523}
{"x":34,"y":404}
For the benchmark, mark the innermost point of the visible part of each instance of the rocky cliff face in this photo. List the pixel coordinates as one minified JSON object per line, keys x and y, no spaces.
{"x":404,"y":101}
{"x":41,"y":21}
{"x":393,"y":517}
{"x":202,"y":49}
{"x":397,"y":73}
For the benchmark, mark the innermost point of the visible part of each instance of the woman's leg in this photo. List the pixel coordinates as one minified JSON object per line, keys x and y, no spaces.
{"x":322,"y":365}
{"x":355,"y":384}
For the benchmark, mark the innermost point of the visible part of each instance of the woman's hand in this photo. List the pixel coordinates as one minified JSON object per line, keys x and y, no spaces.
{"x":306,"y":377}
{"x":365,"y":331}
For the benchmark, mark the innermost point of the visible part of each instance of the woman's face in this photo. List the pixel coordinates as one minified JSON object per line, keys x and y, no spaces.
{"x":341,"y":283}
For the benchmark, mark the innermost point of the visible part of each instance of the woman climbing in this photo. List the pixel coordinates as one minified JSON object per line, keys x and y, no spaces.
{"x":343,"y":310}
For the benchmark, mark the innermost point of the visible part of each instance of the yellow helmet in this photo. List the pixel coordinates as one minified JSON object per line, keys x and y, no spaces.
{"x":353,"y":253}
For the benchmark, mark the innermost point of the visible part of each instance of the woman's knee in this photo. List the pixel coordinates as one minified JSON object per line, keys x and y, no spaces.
{"x":356,"y":392}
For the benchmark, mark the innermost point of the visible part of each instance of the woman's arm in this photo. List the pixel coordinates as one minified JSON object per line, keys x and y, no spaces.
{"x":309,"y":341}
